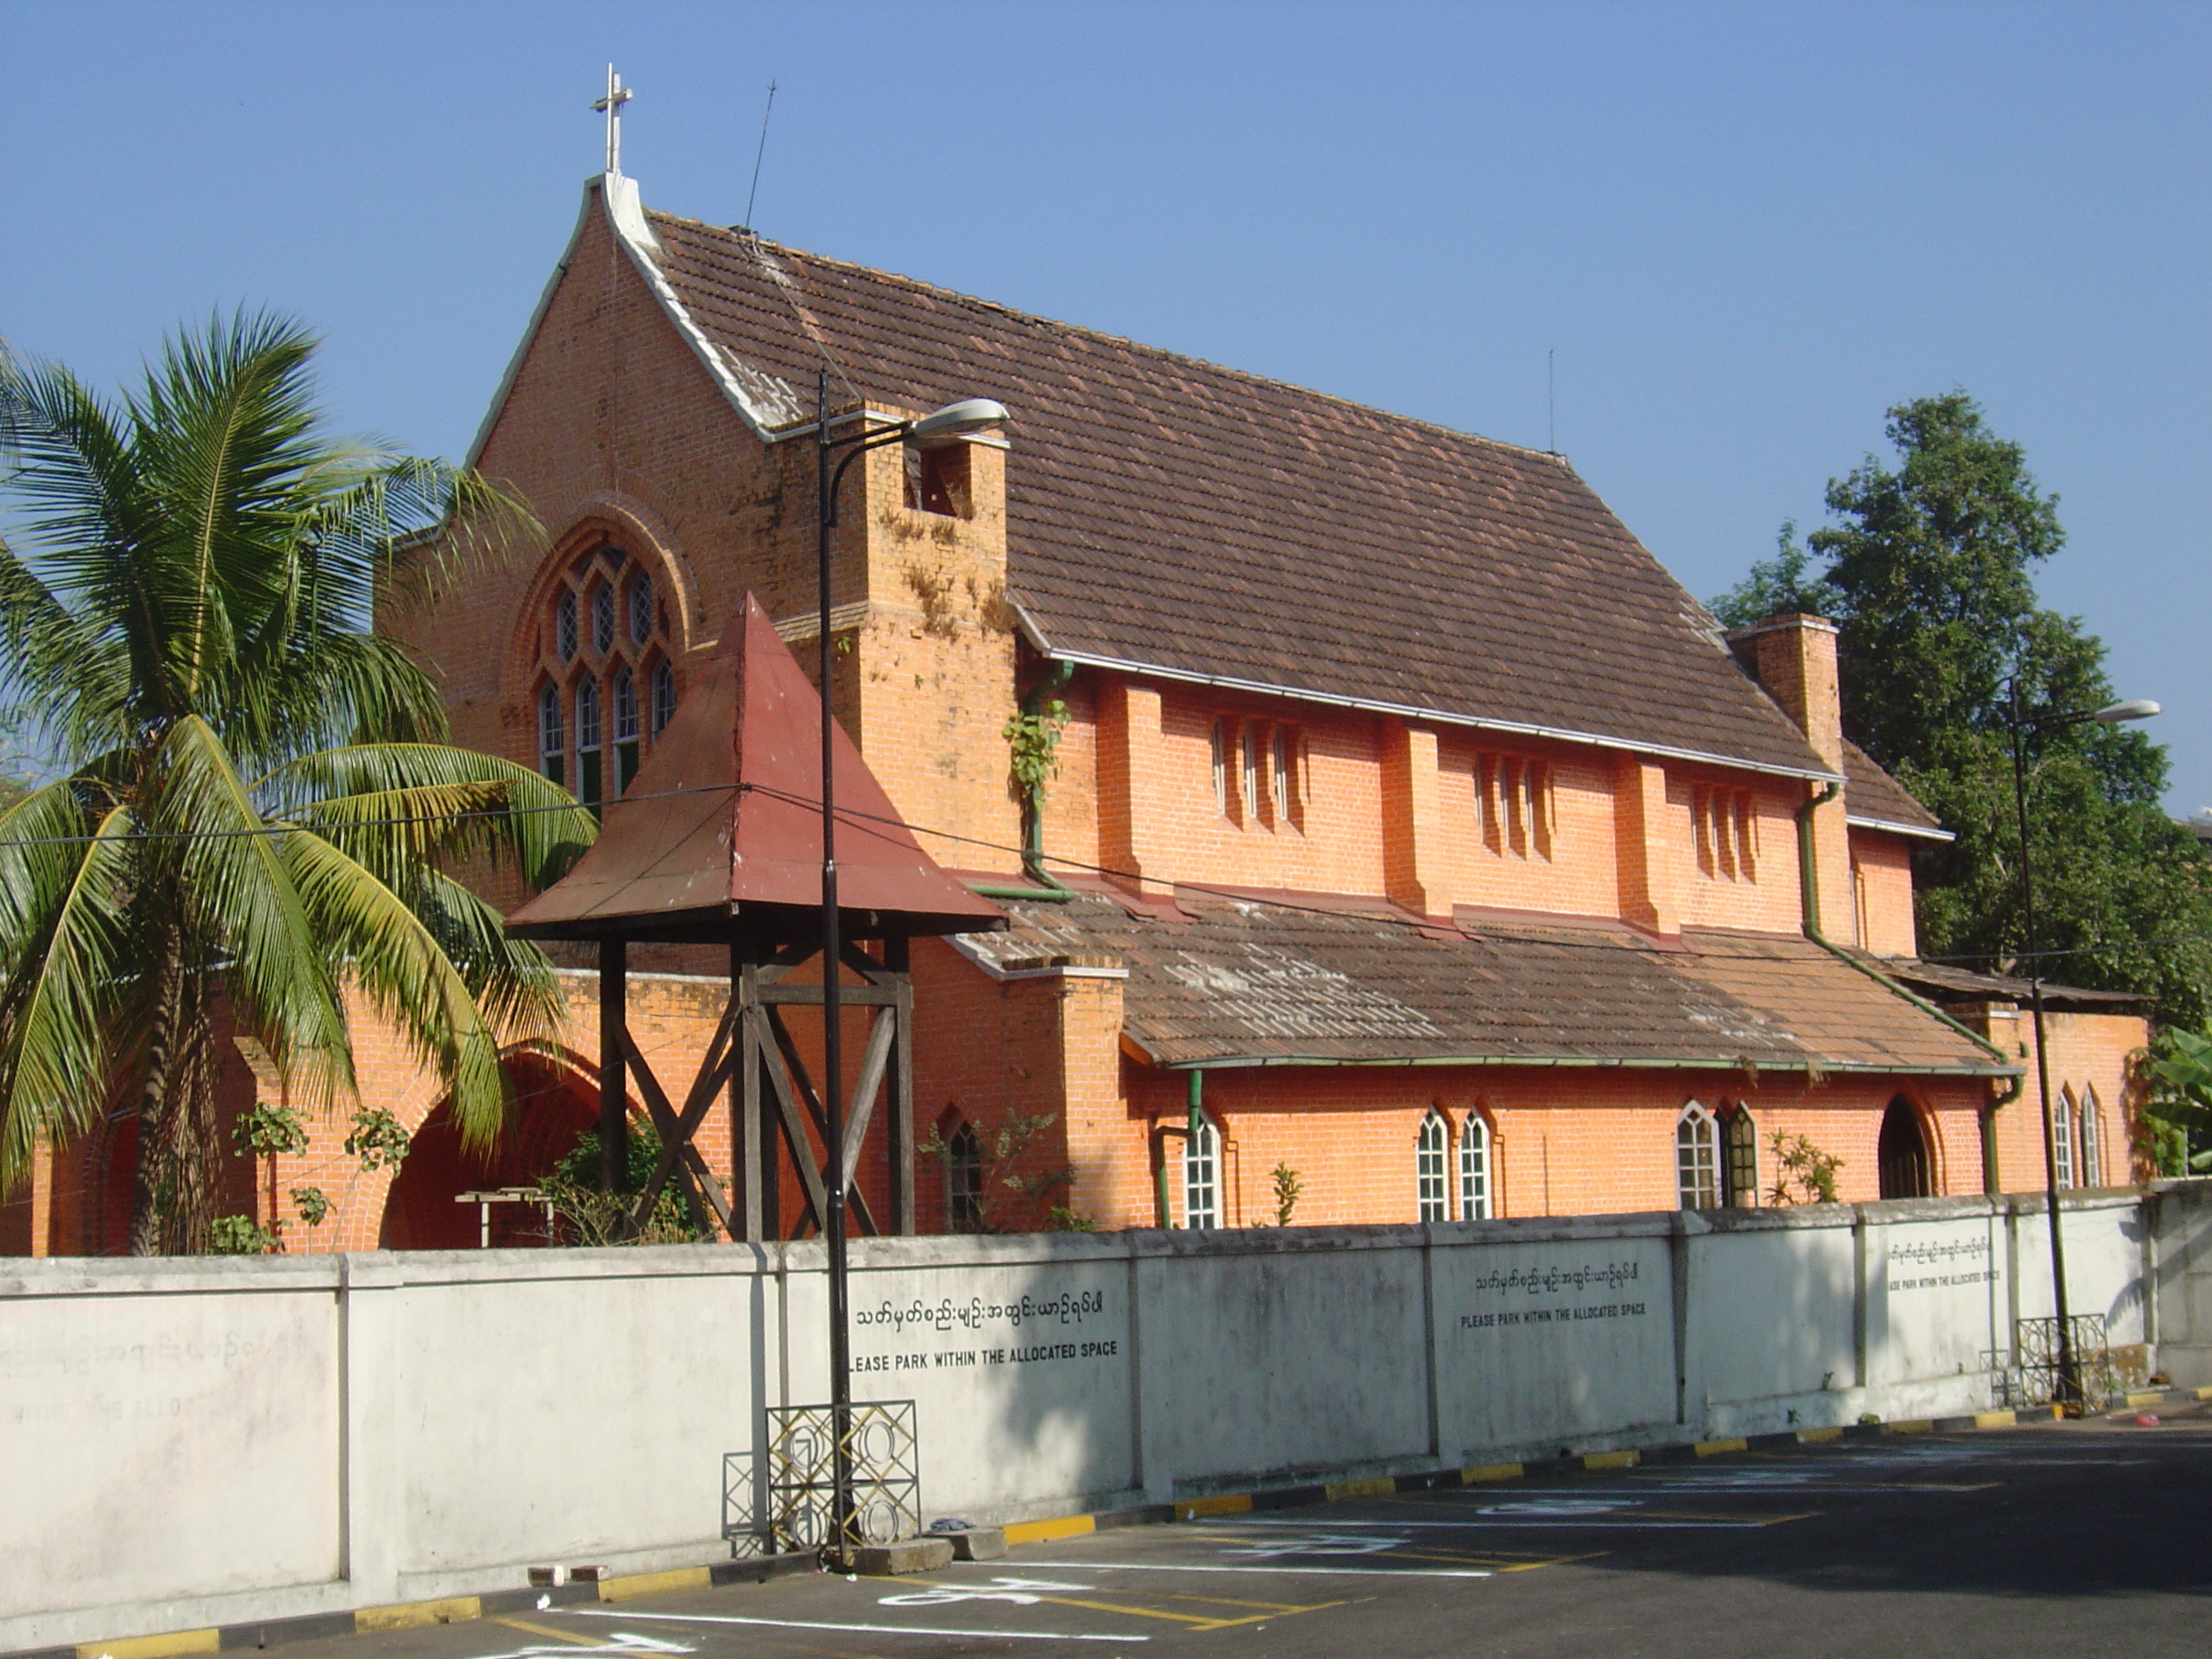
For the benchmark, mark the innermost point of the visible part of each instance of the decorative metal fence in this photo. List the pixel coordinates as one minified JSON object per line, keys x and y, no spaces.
{"x":2033,"y":1378}
{"x":879,"y":1439}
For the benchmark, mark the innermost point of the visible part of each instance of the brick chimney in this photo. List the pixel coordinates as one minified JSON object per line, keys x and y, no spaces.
{"x":1793,"y":660}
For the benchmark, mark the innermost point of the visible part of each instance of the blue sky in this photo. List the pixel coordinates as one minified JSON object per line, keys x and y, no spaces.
{"x":1745,"y":230}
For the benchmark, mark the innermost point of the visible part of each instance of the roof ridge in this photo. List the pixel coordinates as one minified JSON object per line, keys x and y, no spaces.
{"x":740,"y":232}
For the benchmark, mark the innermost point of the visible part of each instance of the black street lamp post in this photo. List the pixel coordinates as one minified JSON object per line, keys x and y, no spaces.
{"x":947,"y":425}
{"x":2069,"y":1381}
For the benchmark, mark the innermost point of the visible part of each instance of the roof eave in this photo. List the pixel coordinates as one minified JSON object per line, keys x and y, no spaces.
{"x":1919,"y":831}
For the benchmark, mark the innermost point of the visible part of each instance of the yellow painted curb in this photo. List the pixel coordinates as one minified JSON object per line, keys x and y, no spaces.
{"x":2137,"y":1401}
{"x":1818,"y":1436}
{"x":1996,"y":1419}
{"x":1717,"y":1448}
{"x":2204,"y":1393}
{"x":1383,"y":1486}
{"x":409,"y":1616}
{"x":1043,"y":1532}
{"x":1483,"y":1472}
{"x":1612,"y":1460}
{"x":153,"y":1647}
{"x":1911,"y":1426}
{"x":630,"y":1586}
{"x":1235,"y":1503}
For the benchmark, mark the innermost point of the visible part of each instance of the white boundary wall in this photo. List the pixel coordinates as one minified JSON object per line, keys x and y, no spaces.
{"x":195,"y":1442}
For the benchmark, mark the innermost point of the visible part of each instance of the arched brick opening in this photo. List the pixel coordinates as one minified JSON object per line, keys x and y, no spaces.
{"x":554,"y":1105}
{"x":1907,"y":1161}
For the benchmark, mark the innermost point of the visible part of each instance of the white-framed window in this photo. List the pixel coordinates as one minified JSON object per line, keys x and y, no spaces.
{"x":1249,"y":749}
{"x":1697,"y":1158}
{"x":564,"y":626}
{"x":2061,"y":1135}
{"x":590,"y":735}
{"x":1202,"y":1176}
{"x":552,"y":735}
{"x":640,"y":608}
{"x":1429,"y":1148}
{"x":1221,"y":767}
{"x":2093,"y":1172}
{"x":1285,"y":800}
{"x":1474,"y":1170}
{"x":626,"y":746}
{"x":664,"y":695}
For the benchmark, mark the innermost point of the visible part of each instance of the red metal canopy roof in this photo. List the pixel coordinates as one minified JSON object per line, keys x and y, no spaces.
{"x":723,"y":824}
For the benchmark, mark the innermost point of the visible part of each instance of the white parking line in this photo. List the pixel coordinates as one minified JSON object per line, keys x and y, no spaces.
{"x":979,"y":1633}
{"x":1329,"y":1572}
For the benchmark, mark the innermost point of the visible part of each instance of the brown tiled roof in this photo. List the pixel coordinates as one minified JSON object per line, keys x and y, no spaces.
{"x":1228,"y":982}
{"x":1199,"y":522}
{"x":1872,"y":794}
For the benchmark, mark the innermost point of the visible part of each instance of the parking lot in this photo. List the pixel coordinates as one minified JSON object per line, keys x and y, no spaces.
{"x":2084,"y":1538}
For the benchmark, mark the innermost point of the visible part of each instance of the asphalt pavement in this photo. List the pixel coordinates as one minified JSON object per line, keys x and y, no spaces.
{"x":2086,"y":1538}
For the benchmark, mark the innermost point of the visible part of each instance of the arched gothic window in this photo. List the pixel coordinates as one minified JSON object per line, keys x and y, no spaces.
{"x":664,"y":695}
{"x":612,"y":595}
{"x":1429,"y":1169}
{"x":603,"y":618}
{"x":552,"y":735}
{"x":1740,"y":1159}
{"x":564,"y":625}
{"x":1201,"y":1167}
{"x":589,"y":737}
{"x":2093,"y":1173}
{"x":2062,"y":1134}
{"x":1474,"y":1170}
{"x":1697,"y":1159}
{"x":964,"y":1180}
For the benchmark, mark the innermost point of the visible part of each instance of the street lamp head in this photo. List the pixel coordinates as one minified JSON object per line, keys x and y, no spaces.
{"x":955,"y":421}
{"x":2136,"y":709}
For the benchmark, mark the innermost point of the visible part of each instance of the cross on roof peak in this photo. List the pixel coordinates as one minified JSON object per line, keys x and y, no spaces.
{"x":617,"y":94}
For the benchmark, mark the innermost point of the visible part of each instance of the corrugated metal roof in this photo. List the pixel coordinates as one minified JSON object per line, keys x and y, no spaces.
{"x":722,"y":826}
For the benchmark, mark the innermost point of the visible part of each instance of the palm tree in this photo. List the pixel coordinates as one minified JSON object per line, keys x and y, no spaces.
{"x":256,"y":815}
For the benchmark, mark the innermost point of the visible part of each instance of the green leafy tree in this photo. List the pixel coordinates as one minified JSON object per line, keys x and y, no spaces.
{"x":1928,"y":569}
{"x":255,"y":807}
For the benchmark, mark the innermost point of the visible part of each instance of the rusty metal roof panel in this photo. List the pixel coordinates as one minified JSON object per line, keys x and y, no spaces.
{"x":724,"y":821}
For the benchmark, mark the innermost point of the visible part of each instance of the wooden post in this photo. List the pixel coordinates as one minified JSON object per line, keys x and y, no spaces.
{"x":747,"y":1144}
{"x":614,"y":1016}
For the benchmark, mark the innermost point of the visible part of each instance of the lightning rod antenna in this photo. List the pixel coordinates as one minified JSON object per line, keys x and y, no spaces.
{"x":1551,"y":396}
{"x":754,"y":192}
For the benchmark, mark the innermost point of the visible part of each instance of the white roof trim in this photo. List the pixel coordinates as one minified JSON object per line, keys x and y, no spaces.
{"x":1923,"y":831}
{"x":983,"y":960}
{"x":765,"y":402}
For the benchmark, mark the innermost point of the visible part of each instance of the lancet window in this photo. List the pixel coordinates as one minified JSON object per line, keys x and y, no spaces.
{"x":609,"y":687}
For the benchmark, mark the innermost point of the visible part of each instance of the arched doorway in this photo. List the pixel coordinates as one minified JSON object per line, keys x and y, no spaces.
{"x":1907,"y":1170}
{"x":552,"y":1108}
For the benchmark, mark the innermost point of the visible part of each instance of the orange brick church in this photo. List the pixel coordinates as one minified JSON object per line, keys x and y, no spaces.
{"x":1413,"y":832}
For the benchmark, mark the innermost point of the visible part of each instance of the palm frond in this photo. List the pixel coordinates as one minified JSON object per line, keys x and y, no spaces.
{"x":236,"y":894}
{"x":403,"y":973}
{"x":452,"y":802}
{"x":70,"y":968}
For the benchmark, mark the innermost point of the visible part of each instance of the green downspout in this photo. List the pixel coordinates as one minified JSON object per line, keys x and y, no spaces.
{"x":1047,"y":890}
{"x":1809,"y":893}
{"x":1189,"y":1132}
